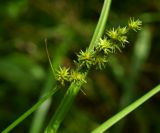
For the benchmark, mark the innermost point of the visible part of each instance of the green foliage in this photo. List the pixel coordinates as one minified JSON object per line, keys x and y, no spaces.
{"x":30,"y":111}
{"x":107,"y":124}
{"x":76,"y":86}
{"x":26,"y":77}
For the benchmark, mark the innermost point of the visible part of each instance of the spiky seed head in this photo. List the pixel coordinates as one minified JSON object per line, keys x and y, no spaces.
{"x":77,"y":76}
{"x":122,"y":30}
{"x":62,"y":75}
{"x":134,"y":24}
{"x":100,"y":62}
{"x":116,"y":47}
{"x":86,"y":58}
{"x":104,"y":45}
{"x":123,"y":40}
{"x":113,"y":34}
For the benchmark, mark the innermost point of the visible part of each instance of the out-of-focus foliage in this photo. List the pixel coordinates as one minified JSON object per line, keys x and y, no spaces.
{"x":24,"y":67}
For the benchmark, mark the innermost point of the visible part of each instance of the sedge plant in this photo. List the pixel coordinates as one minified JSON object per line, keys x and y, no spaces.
{"x":103,"y":44}
{"x":114,"y":40}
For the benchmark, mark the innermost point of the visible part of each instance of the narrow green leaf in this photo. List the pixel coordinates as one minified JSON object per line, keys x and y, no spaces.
{"x":31,"y":110}
{"x":113,"y":120}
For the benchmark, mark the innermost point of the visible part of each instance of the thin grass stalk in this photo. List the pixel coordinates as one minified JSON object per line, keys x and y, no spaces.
{"x":113,"y":120}
{"x":75,"y":86}
{"x":31,"y":110}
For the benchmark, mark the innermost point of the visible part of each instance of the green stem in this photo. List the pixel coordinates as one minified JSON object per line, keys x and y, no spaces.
{"x":31,"y":110}
{"x":106,"y":125}
{"x":101,"y":23}
{"x":74,"y":88}
{"x":63,"y":108}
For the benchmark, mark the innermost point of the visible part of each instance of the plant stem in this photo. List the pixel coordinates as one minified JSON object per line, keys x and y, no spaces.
{"x":63,"y":108}
{"x":74,"y":88}
{"x":31,"y":110}
{"x":106,"y":125}
{"x":101,"y":23}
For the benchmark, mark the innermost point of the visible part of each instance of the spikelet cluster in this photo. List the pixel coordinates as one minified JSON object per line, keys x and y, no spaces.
{"x":114,"y":40}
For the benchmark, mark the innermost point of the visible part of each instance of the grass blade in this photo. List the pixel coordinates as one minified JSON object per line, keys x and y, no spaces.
{"x":31,"y":110}
{"x":104,"y":126}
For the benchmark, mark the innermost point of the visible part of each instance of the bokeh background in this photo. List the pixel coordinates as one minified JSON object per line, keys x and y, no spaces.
{"x":68,"y":25}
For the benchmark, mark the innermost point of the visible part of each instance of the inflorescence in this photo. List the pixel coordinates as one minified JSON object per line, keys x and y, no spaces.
{"x":113,"y":40}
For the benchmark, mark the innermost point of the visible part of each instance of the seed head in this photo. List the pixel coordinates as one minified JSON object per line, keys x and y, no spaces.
{"x":113,"y":34}
{"x":123,"y":40}
{"x":122,"y":30}
{"x":104,"y":45}
{"x":86,"y":58}
{"x":100,"y":62}
{"x":77,"y":76}
{"x":134,"y":24}
{"x":62,"y":75}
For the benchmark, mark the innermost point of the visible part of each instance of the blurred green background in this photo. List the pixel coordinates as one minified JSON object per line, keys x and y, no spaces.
{"x":68,"y":25}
